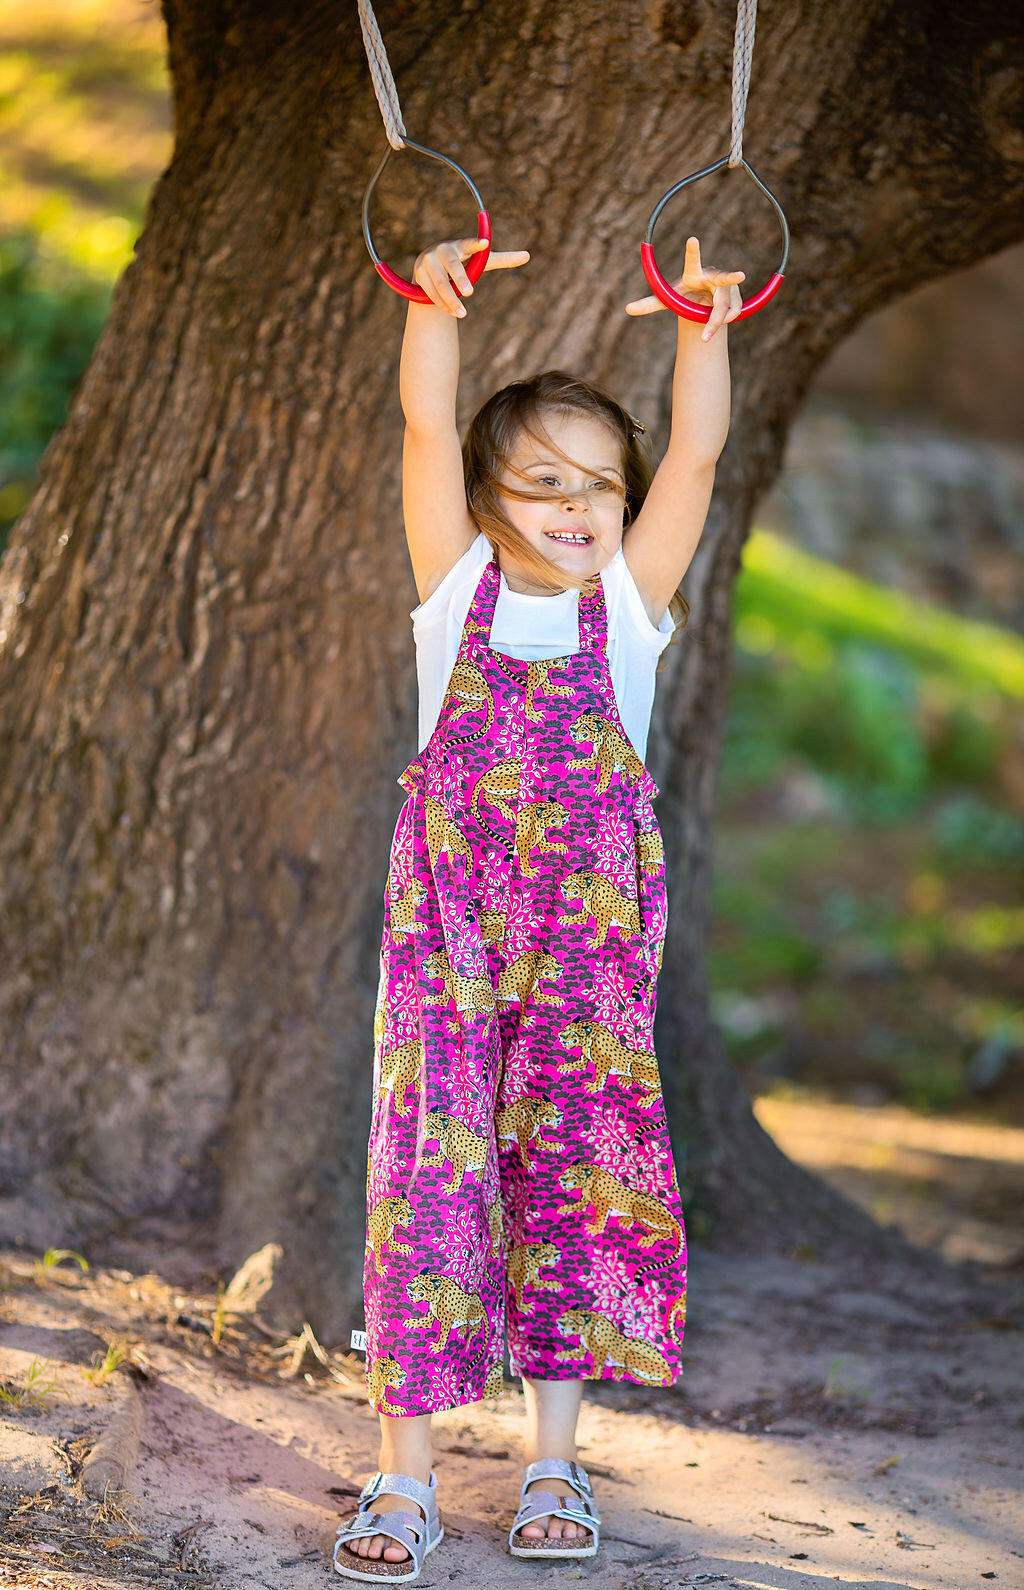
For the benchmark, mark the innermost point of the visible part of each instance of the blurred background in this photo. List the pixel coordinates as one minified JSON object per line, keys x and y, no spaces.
{"x":867,"y":951}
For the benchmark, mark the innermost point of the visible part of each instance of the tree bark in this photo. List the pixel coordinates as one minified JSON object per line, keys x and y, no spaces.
{"x":205,"y":657}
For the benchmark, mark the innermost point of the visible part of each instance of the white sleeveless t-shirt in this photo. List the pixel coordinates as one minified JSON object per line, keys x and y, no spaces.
{"x":534,"y":627}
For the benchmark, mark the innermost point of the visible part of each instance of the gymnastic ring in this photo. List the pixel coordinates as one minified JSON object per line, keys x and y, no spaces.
{"x":686,"y":306}
{"x":474,"y":266}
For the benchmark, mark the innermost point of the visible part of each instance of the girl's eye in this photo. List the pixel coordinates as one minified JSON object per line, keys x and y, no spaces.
{"x":553,"y":479}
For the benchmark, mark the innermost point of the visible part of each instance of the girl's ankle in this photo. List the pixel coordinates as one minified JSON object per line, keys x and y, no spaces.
{"x":418,"y":1466}
{"x":566,"y":1450}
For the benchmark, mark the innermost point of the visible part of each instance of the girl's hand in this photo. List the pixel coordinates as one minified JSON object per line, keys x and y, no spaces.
{"x":434,"y":266}
{"x":704,"y":285}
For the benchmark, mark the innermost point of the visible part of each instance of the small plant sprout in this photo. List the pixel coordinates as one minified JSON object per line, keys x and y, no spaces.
{"x":54,"y":1256}
{"x":118,"y":1352}
{"x":35,"y":1392}
{"x":836,"y":1390}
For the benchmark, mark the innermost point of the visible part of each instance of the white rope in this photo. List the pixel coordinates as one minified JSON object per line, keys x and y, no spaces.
{"x":383,"y":80}
{"x":742,"y":56}
{"x":391,"y":110}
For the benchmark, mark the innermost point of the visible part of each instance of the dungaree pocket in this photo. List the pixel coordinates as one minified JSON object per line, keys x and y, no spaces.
{"x":652,"y":901}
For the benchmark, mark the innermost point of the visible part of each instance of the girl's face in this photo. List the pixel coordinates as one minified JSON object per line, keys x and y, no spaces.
{"x":580,"y":525}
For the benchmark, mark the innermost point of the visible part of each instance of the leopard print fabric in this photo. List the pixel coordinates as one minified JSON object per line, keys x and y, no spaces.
{"x":520,"y":1179}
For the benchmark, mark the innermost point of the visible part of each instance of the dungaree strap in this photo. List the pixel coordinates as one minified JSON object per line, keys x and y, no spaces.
{"x":593,"y":612}
{"x":485,"y":598}
{"x":593,"y":617}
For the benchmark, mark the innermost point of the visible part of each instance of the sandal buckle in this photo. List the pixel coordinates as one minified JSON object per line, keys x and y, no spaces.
{"x":581,"y":1479}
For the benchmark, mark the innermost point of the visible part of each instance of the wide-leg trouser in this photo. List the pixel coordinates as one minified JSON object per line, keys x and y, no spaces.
{"x":519,"y":1170}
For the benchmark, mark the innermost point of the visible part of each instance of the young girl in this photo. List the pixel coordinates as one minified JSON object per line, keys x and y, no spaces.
{"x":519,"y":1172}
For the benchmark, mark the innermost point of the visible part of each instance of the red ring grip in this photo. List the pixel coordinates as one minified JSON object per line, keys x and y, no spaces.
{"x":675,"y":300}
{"x":686,"y":306}
{"x":474,"y":266}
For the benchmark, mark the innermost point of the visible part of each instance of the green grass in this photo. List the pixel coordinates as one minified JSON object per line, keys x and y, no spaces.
{"x":889,"y":701}
{"x":800,"y":606}
{"x":117,"y":1352}
{"x":37,"y":1392}
{"x":55,"y":1256}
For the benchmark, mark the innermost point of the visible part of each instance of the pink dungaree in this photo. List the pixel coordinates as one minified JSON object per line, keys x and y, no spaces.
{"x":519,"y":1169}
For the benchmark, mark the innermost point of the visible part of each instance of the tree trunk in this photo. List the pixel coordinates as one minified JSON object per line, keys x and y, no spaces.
{"x":205,"y":655}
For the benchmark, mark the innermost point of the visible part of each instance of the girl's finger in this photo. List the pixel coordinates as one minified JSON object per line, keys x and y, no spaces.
{"x":446,"y":296}
{"x":453,"y":265}
{"x":644,"y":306}
{"x":422,"y":278}
{"x":650,"y":306}
{"x":719,"y":310}
{"x":504,"y":262}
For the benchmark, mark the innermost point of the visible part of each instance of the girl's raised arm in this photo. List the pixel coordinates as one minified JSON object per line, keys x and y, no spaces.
{"x":659,"y":545}
{"x":438,"y":525}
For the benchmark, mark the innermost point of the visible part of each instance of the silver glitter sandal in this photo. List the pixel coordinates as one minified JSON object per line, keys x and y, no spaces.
{"x":539,"y":1504}
{"x":418,"y":1535}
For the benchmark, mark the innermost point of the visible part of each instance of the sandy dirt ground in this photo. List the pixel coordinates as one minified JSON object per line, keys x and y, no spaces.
{"x":852,"y":1424}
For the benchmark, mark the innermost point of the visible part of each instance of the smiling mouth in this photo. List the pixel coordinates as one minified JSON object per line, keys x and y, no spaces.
{"x":570,"y":538}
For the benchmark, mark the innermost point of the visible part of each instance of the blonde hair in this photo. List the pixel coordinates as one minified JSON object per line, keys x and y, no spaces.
{"x":493,"y":432}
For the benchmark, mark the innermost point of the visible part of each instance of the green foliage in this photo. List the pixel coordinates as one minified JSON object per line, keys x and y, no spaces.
{"x":770,"y":948}
{"x":50,"y":318}
{"x":886,"y":704}
{"x":966,"y":746}
{"x":856,"y":725}
{"x":932,"y":1082}
{"x":790,"y":601}
{"x":969,"y":832}
{"x":870,"y":738}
